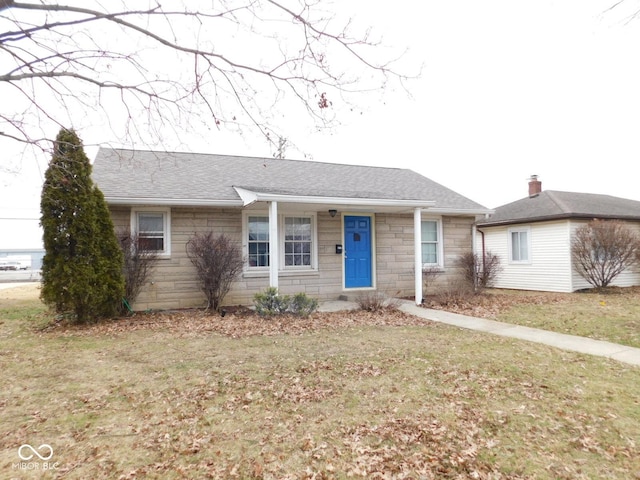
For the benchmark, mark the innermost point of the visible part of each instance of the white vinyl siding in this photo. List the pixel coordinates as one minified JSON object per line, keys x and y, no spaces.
{"x":548,"y":268}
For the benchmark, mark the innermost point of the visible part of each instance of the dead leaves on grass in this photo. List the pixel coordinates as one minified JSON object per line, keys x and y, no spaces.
{"x":422,"y":446}
{"x":240,"y":324}
{"x":395,"y":447}
{"x":176,"y":425}
{"x":492,"y":305}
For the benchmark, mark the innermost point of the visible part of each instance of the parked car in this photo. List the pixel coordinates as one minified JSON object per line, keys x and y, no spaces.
{"x":9,"y":266}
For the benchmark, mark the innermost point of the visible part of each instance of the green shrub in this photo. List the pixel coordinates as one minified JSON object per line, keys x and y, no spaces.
{"x":302,"y":305}
{"x":270,"y":303}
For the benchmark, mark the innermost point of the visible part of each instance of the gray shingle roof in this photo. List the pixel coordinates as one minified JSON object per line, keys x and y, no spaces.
{"x":551,"y":204}
{"x":185,"y":177}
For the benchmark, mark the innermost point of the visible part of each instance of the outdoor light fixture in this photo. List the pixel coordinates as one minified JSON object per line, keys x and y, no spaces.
{"x":333,"y":212}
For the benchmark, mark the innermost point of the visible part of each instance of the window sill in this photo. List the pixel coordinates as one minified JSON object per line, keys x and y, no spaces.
{"x":281,"y":273}
{"x":433,"y":268}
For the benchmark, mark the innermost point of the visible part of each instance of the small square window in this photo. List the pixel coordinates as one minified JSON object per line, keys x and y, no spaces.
{"x":152,"y":230}
{"x":519,"y":250}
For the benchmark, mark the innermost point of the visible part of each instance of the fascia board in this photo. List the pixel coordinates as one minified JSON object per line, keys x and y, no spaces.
{"x":551,"y":218}
{"x":174,"y":202}
{"x":461,"y":211}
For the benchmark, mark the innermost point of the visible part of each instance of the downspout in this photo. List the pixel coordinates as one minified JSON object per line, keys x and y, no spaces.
{"x":483,"y":250}
{"x":475,"y":229}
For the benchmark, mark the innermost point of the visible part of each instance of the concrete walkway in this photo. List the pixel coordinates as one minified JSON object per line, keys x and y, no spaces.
{"x":573,"y":343}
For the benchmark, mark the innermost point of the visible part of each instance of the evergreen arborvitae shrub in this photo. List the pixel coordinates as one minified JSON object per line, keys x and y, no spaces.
{"x":109,"y":262}
{"x":82,"y":265}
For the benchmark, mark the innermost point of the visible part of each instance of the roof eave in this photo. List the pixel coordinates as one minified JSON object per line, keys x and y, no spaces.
{"x":461,"y":211}
{"x":178,"y":202}
{"x":548,"y":218}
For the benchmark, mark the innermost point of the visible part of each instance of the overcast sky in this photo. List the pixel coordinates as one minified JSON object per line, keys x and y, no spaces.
{"x":509,"y":89}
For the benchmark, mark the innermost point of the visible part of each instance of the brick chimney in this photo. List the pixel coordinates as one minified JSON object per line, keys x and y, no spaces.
{"x":535,"y":186}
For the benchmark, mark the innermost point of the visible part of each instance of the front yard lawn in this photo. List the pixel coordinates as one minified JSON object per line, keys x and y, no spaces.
{"x":341,"y":395}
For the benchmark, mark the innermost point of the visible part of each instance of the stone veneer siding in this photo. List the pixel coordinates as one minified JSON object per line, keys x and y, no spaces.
{"x":173,"y":283}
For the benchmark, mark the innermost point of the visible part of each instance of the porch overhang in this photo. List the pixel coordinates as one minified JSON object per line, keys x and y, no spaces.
{"x":250,"y":197}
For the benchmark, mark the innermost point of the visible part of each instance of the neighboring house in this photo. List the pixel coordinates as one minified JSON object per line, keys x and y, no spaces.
{"x":303,"y":226}
{"x":532,"y":237}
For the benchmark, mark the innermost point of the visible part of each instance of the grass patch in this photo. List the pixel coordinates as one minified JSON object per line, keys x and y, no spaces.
{"x":415,"y":401}
{"x":613,"y":316}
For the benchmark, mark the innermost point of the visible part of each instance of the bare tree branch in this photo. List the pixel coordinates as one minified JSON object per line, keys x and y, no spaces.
{"x":62,"y":60}
{"x":629,"y":17}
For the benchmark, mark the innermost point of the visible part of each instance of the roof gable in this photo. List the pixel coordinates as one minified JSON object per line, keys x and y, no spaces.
{"x":188,"y":178}
{"x":552,"y":204}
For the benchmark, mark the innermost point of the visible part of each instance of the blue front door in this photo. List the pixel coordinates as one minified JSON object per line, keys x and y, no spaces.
{"x":357,"y":251}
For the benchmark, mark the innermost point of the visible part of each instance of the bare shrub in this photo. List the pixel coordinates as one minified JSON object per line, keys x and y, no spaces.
{"x":218,"y":263}
{"x":469,"y":269}
{"x":602,"y":249}
{"x":139,"y":262}
{"x":477,"y":271}
{"x":376,"y":302}
{"x":429,"y":276}
{"x":490,"y":269}
{"x":456,"y":293}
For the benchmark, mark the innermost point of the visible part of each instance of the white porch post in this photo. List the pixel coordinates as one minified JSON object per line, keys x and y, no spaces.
{"x":417,"y":253}
{"x":274,"y":261}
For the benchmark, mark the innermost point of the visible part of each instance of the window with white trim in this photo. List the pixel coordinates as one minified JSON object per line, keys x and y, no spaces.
{"x":519,"y":244}
{"x":296,"y":236}
{"x":258,"y":241}
{"x":431,"y":242}
{"x":152,"y":227}
{"x":298,"y":241}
